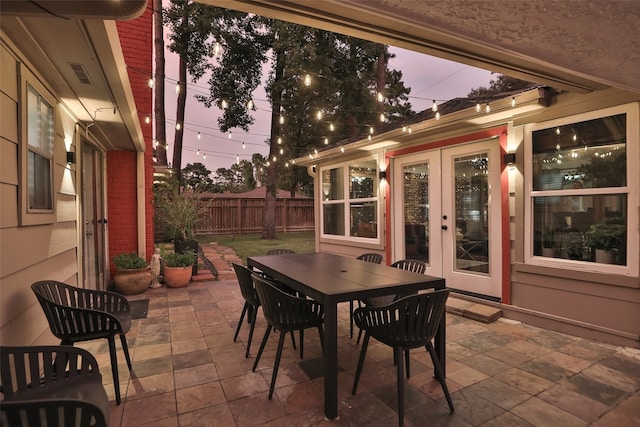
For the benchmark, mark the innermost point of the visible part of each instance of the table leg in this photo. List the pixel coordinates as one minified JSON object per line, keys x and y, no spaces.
{"x":331,"y":360}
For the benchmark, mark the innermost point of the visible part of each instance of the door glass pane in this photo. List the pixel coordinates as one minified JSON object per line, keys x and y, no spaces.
{"x":472,"y":212}
{"x":416,"y":211}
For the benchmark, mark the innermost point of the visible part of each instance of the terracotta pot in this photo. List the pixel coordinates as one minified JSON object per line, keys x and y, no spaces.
{"x":177,"y":277}
{"x":132,"y":282}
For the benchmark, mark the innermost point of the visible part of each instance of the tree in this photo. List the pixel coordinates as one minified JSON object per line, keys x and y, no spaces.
{"x":158,"y":109}
{"x":197,"y":177}
{"x":501,"y":84}
{"x":348,"y":73}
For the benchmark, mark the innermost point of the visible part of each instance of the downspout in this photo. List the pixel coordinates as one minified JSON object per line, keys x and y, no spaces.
{"x":141,"y":208}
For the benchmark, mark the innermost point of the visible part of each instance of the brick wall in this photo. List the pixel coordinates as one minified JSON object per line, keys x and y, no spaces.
{"x":136,"y":38}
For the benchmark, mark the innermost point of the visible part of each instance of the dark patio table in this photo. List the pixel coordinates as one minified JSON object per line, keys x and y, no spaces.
{"x":331,"y":279}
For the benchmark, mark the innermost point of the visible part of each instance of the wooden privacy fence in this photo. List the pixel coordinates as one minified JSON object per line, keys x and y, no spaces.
{"x":244,"y":216}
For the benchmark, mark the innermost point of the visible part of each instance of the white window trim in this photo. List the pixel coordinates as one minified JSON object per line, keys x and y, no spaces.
{"x":631,"y":190}
{"x":346,"y":202}
{"x":34,"y":216}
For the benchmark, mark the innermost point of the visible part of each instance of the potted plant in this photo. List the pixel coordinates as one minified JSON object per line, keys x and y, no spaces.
{"x":178,"y":268}
{"x":607,"y":238}
{"x":549,"y":243}
{"x":573,"y":245}
{"x":178,"y":211}
{"x":133,"y":274}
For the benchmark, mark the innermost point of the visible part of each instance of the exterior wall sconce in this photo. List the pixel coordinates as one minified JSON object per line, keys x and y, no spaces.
{"x":71,"y":157}
{"x":382,"y":175}
{"x":509,"y":158}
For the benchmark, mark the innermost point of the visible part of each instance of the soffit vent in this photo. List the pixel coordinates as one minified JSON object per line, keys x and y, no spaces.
{"x":81,"y":73}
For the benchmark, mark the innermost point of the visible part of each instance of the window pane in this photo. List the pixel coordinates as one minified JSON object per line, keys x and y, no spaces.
{"x":416,"y":211}
{"x":362,"y":179}
{"x":589,"y":154}
{"x":364,"y":219}
{"x":573,"y":227}
{"x":39,"y":177}
{"x":333,"y":184}
{"x":333,"y":216}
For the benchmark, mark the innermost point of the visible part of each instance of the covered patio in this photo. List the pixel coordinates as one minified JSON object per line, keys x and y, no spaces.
{"x":187,"y":371}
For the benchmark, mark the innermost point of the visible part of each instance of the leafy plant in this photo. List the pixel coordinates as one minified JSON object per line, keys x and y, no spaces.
{"x":607,"y":235}
{"x":185,"y":259}
{"x":573,"y":245}
{"x":129,"y":261}
{"x":178,"y":211}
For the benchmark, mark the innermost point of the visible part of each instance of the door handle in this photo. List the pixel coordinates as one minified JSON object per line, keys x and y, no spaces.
{"x":444,"y":227}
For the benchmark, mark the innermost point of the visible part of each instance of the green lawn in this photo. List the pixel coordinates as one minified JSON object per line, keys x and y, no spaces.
{"x":252,"y":245}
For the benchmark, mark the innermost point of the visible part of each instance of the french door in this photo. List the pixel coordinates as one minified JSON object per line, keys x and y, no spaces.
{"x":450,"y":216}
{"x":93,"y":223}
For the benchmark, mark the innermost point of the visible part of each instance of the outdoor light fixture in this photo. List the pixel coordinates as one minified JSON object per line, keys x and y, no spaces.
{"x":509,"y":158}
{"x":382,"y":175}
{"x":71,"y":157}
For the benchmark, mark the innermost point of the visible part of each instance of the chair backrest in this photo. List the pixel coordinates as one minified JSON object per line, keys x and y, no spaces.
{"x":413,"y":265}
{"x":280,"y":251}
{"x":371,"y":257}
{"x":410,"y":322}
{"x":281,"y":309}
{"x":28,"y":373}
{"x":246,"y":284}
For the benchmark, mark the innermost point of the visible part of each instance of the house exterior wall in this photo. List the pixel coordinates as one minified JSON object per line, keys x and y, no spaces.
{"x":593,"y":304}
{"x":31,"y":252}
{"x":122,"y":179}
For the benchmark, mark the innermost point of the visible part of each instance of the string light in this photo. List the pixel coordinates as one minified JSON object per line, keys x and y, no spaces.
{"x":250,"y":105}
{"x":342,"y":149}
{"x":178,"y":88}
{"x":319,"y":115}
{"x":380,"y":97}
{"x":178,"y":127}
{"x":326,"y":141}
{"x":281,"y":120}
{"x":147,"y":120}
{"x":224,"y":104}
{"x":477,"y":107}
{"x":307,"y":80}
{"x":279,"y":140}
{"x":332,"y":127}
{"x":370,"y":130}
{"x":244,"y":147}
{"x":409,"y":130}
{"x":434,"y":107}
{"x":513,"y":101}
{"x":274,"y":159}
{"x":198,"y":152}
{"x":217,"y":48}
{"x":487,"y":108}
{"x":282,"y":151}
{"x":199,"y":136}
{"x":369,"y":137}
{"x":150,"y":83}
{"x":437,"y":115}
{"x":382,"y":117}
{"x":204,"y":156}
{"x":237,"y":159}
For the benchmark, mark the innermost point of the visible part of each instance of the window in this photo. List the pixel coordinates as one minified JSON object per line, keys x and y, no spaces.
{"x":350,"y":201}
{"x":39,"y":152}
{"x":580,"y":195}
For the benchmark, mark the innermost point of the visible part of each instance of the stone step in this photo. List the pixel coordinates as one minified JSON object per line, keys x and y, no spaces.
{"x":480,"y":312}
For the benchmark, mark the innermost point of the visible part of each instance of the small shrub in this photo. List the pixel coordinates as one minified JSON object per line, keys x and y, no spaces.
{"x":129,"y":261}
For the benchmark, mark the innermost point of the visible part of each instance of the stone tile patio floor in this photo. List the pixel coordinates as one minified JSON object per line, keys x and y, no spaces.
{"x":187,"y":371}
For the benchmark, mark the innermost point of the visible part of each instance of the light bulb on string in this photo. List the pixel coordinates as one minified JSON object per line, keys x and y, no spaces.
{"x":434,"y":107}
{"x":307,"y":80}
{"x":382,"y":117}
{"x":279,"y":140}
{"x":404,"y":129}
{"x":281,"y":151}
{"x":281,"y":120}
{"x":311,"y":156}
{"x":369,"y":137}
{"x":274,"y":159}
{"x":199,"y":136}
{"x":315,"y":151}
{"x":177,"y":87}
{"x":150,"y":83}
{"x":249,"y":105}
{"x":286,"y":164}
{"x":487,"y":108}
{"x":513,"y":101}
{"x":224,"y":104}
{"x":237,"y":159}
{"x":178,"y":127}
{"x":319,"y":115}
{"x":342,"y":149}
{"x":244,"y":147}
{"x":326,"y":141}
{"x":437,"y":115}
{"x":409,"y":130}
{"x":147,"y":120}
{"x":380,"y":97}
{"x":198,"y":152}
{"x":217,"y":48}
{"x":370,"y":130}
{"x":229,"y":135}
{"x":204,"y":156}
{"x":332,"y":127}
{"x":477,"y":107}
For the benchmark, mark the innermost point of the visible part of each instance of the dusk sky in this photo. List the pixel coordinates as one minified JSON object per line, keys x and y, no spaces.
{"x":429,"y":78}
